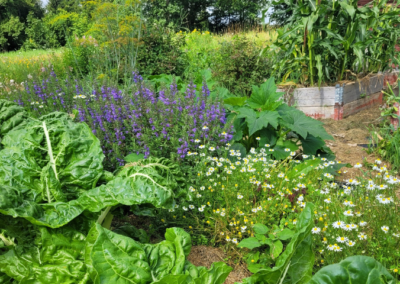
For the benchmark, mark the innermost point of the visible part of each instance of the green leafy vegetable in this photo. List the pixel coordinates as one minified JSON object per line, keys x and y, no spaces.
{"x":55,"y":257}
{"x":119,"y":259}
{"x":11,"y":116}
{"x":54,"y":157}
{"x":354,"y":269}
{"x":267,"y":275}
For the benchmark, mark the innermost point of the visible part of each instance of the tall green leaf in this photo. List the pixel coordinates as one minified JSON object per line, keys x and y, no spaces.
{"x":274,"y":275}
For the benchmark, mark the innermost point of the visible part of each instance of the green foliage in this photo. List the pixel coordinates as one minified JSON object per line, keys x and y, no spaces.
{"x":210,"y":14}
{"x":264,"y":119}
{"x":13,"y":16}
{"x":385,"y":140}
{"x":237,"y":65}
{"x":11,"y":117}
{"x":160,"y":53}
{"x":50,"y":180}
{"x":294,"y":265}
{"x":354,"y":269}
{"x":328,"y":41}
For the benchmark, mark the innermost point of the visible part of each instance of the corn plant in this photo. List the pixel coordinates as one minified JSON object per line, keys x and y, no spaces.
{"x":331,"y":40}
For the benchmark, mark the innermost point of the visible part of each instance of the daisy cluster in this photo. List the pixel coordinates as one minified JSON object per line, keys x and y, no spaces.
{"x":234,"y":191}
{"x":355,"y":214}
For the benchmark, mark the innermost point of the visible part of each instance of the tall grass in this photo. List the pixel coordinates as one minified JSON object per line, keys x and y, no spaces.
{"x":202,"y":46}
{"x":18,"y":65}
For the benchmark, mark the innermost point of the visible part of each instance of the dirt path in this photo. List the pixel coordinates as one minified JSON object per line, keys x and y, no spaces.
{"x":350,"y":132}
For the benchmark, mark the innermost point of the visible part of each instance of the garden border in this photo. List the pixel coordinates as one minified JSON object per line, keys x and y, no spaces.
{"x":342,"y":100}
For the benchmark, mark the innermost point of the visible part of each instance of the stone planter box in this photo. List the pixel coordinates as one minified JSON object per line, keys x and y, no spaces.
{"x":342,"y":100}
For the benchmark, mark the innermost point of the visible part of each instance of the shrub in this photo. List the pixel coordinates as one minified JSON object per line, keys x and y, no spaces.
{"x":238,"y":65}
{"x":264,"y":119}
{"x":160,"y":53}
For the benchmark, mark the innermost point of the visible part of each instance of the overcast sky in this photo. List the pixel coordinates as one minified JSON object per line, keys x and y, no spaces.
{"x":44,"y":2}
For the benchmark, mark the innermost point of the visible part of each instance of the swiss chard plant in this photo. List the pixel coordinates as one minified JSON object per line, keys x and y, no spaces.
{"x":11,"y":116}
{"x":264,"y":120}
{"x":52,"y":184}
{"x":354,"y":269}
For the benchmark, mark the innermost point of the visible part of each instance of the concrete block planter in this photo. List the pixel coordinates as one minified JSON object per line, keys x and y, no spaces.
{"x":343,"y":99}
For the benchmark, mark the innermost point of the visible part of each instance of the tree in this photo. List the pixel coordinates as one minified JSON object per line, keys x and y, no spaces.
{"x":203,"y":14}
{"x":13,"y":18}
{"x":68,"y":5}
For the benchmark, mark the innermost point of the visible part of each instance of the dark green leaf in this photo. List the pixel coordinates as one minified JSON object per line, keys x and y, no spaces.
{"x":311,"y":144}
{"x":119,"y":259}
{"x":249,"y":243}
{"x":301,"y":265}
{"x":260,"y":229}
{"x":285,"y":234}
{"x":303,"y":125}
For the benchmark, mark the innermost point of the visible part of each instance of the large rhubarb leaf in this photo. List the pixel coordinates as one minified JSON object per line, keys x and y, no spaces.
{"x":258,"y":120}
{"x":301,"y":124}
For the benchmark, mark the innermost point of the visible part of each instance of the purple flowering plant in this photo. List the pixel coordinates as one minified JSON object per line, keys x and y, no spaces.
{"x":167,"y":123}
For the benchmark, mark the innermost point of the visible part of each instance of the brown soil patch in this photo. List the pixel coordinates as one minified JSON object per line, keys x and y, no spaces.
{"x":348,"y":133}
{"x":205,"y":256}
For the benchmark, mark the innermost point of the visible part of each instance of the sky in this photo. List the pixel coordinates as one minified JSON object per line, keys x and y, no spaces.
{"x":44,"y":2}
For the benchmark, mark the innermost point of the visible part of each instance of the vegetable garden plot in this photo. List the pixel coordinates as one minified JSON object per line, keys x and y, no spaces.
{"x":342,"y":100}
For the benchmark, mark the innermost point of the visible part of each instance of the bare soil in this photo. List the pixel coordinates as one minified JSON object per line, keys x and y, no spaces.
{"x":349,"y":133}
{"x":205,"y":256}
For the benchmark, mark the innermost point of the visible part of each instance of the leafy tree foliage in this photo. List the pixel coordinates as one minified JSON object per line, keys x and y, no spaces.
{"x":13,"y":19}
{"x":67,"y":5}
{"x":203,"y":14}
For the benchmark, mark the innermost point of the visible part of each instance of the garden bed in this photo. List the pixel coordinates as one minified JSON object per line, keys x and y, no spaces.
{"x":344,"y":99}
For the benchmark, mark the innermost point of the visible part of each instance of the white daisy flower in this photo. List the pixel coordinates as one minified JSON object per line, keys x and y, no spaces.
{"x":342,"y":239}
{"x":351,"y":243}
{"x":316,"y":230}
{"x":362,"y":236}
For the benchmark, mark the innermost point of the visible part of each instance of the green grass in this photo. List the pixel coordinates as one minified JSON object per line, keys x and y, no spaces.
{"x":17,"y":65}
{"x":201,"y":47}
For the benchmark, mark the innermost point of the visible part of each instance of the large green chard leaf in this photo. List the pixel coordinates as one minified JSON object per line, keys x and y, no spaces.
{"x":217,"y":274}
{"x":11,"y":116}
{"x":150,"y":182}
{"x":274,"y":275}
{"x":138,"y":189}
{"x":354,"y":269}
{"x":56,"y":256}
{"x":53,"y":157}
{"x":163,"y":171}
{"x":119,"y":259}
